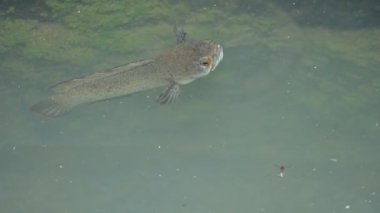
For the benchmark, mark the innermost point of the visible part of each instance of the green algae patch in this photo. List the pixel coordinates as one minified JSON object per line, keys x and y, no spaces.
{"x":244,"y":29}
{"x":109,"y":15}
{"x":83,"y":28}
{"x":55,"y":43}
{"x":138,"y":39}
{"x":60,"y":8}
{"x":14,"y":33}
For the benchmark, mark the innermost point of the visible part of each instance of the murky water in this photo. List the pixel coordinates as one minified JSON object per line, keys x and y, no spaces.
{"x":298,"y":87}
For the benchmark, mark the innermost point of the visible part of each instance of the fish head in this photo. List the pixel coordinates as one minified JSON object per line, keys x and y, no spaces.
{"x":199,"y":59}
{"x":211,"y":54}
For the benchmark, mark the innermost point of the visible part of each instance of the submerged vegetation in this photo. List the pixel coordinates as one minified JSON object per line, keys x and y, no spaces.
{"x":79,"y":33}
{"x":63,"y":30}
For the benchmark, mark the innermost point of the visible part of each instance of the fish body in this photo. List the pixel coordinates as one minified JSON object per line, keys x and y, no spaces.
{"x":186,"y":62}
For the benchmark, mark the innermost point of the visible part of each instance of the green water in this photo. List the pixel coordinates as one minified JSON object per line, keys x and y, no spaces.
{"x":299,"y":86}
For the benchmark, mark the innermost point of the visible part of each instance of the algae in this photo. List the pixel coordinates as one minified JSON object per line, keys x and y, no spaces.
{"x":134,"y":40}
{"x":55,"y":43}
{"x":14,"y":33}
{"x":106,"y":15}
{"x":121,"y":27}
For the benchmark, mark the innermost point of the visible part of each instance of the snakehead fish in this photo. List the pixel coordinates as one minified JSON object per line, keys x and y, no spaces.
{"x":187,"y":61}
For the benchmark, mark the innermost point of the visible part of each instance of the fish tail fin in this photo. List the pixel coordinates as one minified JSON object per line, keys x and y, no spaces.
{"x":50,"y":108}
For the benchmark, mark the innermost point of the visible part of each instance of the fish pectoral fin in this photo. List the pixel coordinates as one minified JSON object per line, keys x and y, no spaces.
{"x":170,"y":94}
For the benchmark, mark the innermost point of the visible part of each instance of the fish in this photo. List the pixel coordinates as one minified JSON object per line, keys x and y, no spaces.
{"x":180,"y":65}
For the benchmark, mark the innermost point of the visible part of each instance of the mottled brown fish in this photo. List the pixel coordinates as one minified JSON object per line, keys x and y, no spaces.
{"x":184,"y":63}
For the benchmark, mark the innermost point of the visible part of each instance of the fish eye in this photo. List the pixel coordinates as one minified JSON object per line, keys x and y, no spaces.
{"x":205,"y":61}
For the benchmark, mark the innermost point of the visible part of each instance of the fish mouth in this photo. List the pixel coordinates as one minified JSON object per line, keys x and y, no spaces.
{"x":217,"y":56}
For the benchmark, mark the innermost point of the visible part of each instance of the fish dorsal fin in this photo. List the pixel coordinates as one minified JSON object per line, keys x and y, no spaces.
{"x":69,"y":84}
{"x":180,"y":35}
